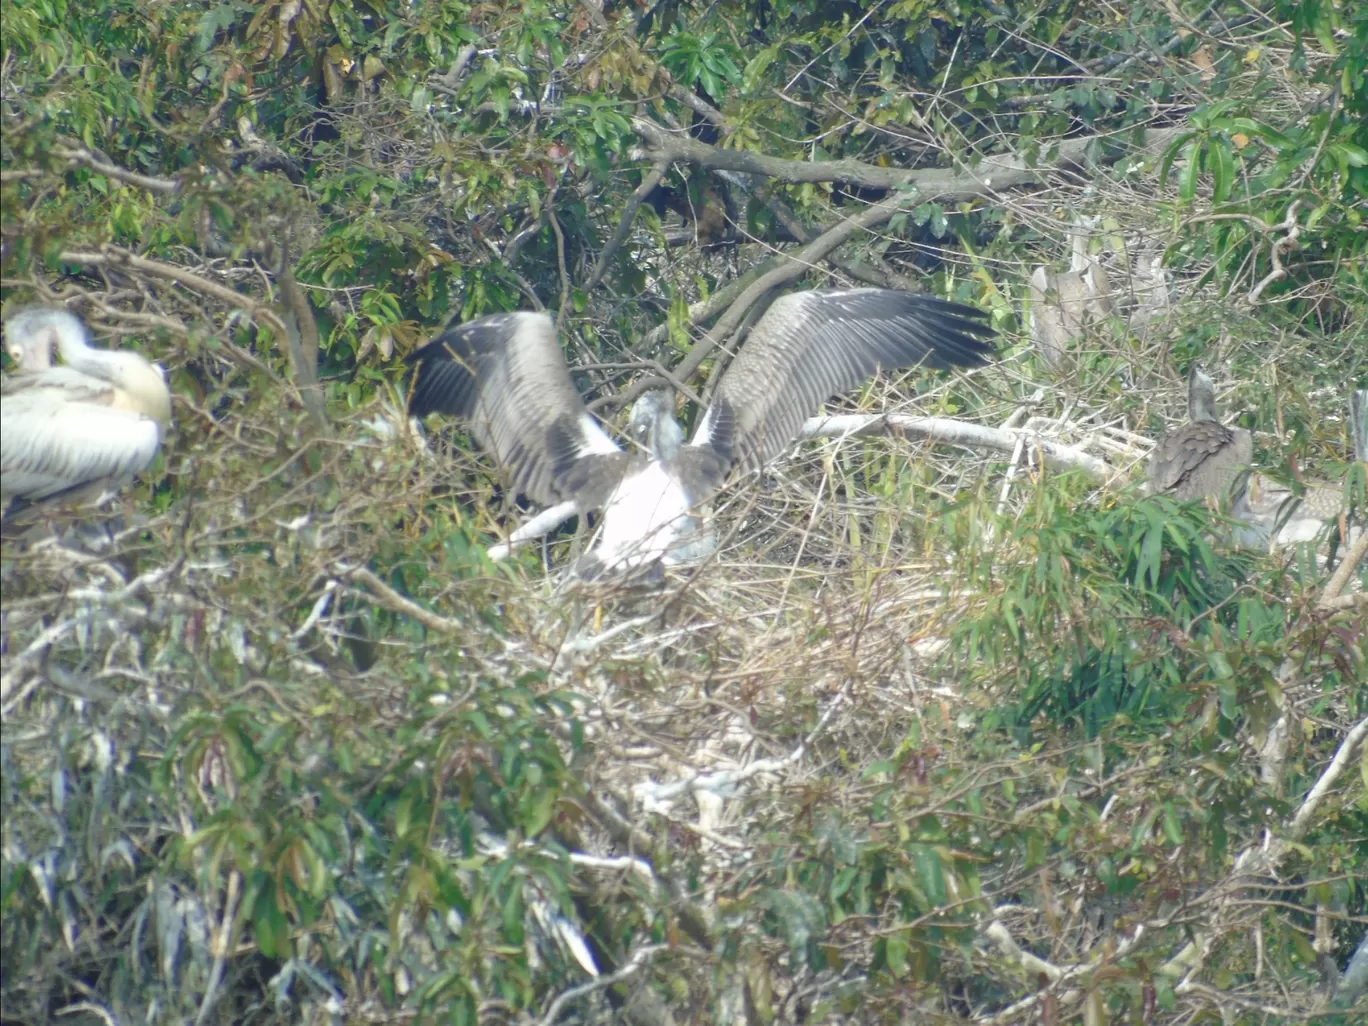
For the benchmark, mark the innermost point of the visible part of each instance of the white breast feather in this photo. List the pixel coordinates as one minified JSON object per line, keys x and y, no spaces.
{"x":646,"y":514}
{"x":593,"y":438}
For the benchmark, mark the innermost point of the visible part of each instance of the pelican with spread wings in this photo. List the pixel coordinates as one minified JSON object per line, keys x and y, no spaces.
{"x":506,"y":376}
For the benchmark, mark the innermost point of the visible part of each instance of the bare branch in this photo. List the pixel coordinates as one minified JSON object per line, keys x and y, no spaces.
{"x":1340,"y":578}
{"x":1346,"y":753}
{"x":301,"y":332}
{"x":1287,"y":242}
{"x":992,"y":174}
{"x":791,"y":269}
{"x":638,"y":959}
{"x":79,"y":156}
{"x":958,"y":432}
{"x":113,"y":256}
{"x":396,"y":603}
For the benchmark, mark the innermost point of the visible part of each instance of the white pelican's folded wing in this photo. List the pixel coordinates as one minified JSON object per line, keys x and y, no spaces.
{"x":50,"y":445}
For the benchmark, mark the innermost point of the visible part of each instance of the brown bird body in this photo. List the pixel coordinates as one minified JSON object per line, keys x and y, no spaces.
{"x":1202,"y":458}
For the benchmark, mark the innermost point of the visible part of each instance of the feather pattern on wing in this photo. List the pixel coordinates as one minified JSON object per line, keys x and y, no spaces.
{"x":1203,"y":457}
{"x":61,"y":384}
{"x":505,"y":375}
{"x":50,"y":445}
{"x":811,"y":345}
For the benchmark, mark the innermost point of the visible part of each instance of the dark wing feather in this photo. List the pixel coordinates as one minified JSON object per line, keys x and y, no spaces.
{"x":505,"y":375}
{"x":811,"y":345}
{"x":1199,"y":459}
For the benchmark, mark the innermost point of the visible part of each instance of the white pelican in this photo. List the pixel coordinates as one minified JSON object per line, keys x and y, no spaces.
{"x":1202,"y":458}
{"x":75,"y":433}
{"x":506,"y":375}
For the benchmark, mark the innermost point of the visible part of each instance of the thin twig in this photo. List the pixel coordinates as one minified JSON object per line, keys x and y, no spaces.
{"x":113,"y":256}
{"x":393,"y":601}
{"x":624,"y":227}
{"x":221,"y":948}
{"x":629,"y":968}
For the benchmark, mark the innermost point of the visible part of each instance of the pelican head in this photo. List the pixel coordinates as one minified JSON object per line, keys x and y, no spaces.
{"x":652,"y":424}
{"x":33,"y":335}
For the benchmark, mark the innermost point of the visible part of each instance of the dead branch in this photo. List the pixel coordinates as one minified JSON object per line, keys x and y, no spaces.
{"x":1284,"y":243}
{"x":1346,"y":753}
{"x":958,"y":432}
{"x":1340,"y":578}
{"x":790,"y":269}
{"x":992,"y":175}
{"x":301,"y":334}
{"x":113,"y":256}
{"x":396,"y":603}
{"x":639,"y":958}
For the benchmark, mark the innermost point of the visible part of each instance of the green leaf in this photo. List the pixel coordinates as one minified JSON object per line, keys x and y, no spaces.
{"x":895,"y":953}
{"x":1187,"y":180}
{"x":1171,"y":154}
{"x":211,"y":22}
{"x":1173,"y":830}
{"x":1222,"y":163}
{"x":756,"y":68}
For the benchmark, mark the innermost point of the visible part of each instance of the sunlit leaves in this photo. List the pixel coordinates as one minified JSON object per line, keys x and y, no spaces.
{"x":1067,"y":623}
{"x":708,"y":60}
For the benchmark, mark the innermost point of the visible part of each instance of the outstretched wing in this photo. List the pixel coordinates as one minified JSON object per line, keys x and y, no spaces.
{"x":811,"y":345}
{"x":505,"y":375}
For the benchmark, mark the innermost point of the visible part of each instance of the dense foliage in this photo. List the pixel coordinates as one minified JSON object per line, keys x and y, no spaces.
{"x":943,"y":735}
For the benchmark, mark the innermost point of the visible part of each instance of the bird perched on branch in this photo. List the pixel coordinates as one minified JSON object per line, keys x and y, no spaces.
{"x":1202,"y":458}
{"x":506,"y":376}
{"x":75,"y":433}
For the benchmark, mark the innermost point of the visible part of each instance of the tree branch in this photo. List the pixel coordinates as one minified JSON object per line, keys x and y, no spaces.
{"x":634,"y":963}
{"x":301,"y":333}
{"x":79,"y":156}
{"x":1340,"y":578}
{"x":993,"y":173}
{"x":113,"y":256}
{"x":1348,"y":750}
{"x":624,"y":227}
{"x":396,"y":603}
{"x":792,"y":268}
